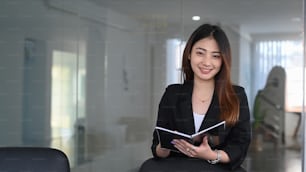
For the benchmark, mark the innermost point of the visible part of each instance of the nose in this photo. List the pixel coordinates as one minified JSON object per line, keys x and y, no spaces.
{"x":206,"y":60}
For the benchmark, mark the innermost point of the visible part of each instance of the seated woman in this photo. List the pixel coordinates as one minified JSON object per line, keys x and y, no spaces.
{"x":206,"y":97}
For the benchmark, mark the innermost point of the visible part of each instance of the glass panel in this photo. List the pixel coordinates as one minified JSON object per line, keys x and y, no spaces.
{"x":63,"y":105}
{"x":86,"y":76}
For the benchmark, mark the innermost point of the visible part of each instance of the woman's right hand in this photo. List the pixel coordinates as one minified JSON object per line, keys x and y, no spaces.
{"x":162,"y":152}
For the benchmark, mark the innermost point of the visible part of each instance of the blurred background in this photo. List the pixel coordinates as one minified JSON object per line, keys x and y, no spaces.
{"x":86,"y":76}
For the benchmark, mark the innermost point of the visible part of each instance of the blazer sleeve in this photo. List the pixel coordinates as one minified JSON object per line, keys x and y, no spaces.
{"x":166,"y":109}
{"x":239,"y":137}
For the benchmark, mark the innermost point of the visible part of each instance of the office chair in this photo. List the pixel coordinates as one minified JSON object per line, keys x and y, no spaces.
{"x":269,"y":110}
{"x":33,"y":159}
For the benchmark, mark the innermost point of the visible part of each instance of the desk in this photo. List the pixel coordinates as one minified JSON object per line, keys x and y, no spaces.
{"x":297,"y":127}
{"x":177,"y":164}
{"x":297,"y":111}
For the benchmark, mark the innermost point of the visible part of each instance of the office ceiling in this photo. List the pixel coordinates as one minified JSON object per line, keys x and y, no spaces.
{"x":252,"y":16}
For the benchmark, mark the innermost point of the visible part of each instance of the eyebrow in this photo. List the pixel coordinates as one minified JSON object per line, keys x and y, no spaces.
{"x":203,"y":49}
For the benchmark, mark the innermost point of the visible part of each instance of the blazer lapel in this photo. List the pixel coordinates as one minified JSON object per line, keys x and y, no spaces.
{"x":185,"y":108}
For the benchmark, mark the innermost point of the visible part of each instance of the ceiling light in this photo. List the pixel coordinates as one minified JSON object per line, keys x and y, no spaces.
{"x":196,"y":18}
{"x":296,"y":19}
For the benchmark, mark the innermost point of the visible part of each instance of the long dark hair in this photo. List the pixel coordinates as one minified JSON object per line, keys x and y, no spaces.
{"x":228,"y":100}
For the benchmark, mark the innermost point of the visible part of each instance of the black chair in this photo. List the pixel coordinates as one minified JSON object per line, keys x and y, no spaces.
{"x":33,"y":159}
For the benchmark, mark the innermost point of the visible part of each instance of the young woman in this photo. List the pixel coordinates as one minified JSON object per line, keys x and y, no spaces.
{"x":206,"y":97}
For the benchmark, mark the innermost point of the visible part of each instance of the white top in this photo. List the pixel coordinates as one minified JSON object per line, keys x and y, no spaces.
{"x":198,"y":119}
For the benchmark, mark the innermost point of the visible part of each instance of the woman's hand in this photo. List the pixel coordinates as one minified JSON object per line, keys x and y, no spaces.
{"x":203,"y":151}
{"x":162,"y":152}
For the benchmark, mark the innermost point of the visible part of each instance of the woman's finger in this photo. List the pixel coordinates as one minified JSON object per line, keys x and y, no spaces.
{"x":188,"y":150}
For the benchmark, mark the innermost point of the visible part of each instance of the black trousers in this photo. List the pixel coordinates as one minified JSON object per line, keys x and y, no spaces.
{"x":183,"y":165}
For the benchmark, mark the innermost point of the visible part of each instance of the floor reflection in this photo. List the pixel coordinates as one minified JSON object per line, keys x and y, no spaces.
{"x":284,"y":159}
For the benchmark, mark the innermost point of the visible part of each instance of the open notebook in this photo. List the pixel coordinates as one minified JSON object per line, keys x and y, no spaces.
{"x":165,"y":136}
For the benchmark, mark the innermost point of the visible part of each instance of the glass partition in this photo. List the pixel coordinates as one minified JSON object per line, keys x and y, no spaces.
{"x":86,"y":76}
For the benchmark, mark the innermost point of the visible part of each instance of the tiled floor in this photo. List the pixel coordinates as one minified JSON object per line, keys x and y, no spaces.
{"x":284,"y":159}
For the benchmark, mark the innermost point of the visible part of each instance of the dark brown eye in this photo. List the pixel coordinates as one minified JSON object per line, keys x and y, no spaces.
{"x":216,"y":56}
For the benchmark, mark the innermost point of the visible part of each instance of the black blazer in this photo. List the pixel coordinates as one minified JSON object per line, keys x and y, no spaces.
{"x":175,"y":112}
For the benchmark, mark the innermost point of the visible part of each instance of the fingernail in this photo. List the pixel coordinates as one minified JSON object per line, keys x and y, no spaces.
{"x":172,"y":142}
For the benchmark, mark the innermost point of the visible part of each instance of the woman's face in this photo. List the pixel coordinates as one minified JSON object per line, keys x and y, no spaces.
{"x":205,"y":59}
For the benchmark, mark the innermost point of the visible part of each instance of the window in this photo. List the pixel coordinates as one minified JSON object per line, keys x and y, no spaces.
{"x":287,"y":54}
{"x":175,"y":48}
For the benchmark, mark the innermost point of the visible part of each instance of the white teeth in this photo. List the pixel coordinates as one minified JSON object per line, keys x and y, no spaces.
{"x":205,"y":69}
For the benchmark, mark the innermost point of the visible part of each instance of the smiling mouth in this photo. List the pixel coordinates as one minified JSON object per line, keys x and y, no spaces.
{"x":205,"y":71}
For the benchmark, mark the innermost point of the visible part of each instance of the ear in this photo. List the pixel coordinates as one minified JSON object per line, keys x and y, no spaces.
{"x":189,"y":57}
